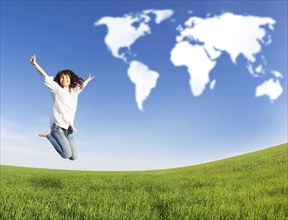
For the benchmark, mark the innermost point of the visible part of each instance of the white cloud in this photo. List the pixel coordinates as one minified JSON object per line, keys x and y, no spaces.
{"x":198,"y":63}
{"x":235,"y":34}
{"x":270,"y":88}
{"x":144,"y":79}
{"x":161,"y":15}
{"x":276,"y":74}
{"x":259,"y":69}
{"x":212,"y":84}
{"x":121,"y":33}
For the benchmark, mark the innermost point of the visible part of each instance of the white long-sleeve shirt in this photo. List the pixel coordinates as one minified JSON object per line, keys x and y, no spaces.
{"x":65,"y":103}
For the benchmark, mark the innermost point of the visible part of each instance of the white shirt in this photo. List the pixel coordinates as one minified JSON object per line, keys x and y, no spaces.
{"x":65,"y":103}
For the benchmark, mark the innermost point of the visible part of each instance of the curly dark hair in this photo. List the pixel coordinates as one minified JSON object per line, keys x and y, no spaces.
{"x":74,"y":78}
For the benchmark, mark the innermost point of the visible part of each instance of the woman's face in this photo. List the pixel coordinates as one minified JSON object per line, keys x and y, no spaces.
{"x":65,"y":80}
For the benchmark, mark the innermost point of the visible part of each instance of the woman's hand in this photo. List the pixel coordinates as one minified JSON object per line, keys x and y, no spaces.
{"x":33,"y":60}
{"x":89,"y":78}
{"x":35,"y":64}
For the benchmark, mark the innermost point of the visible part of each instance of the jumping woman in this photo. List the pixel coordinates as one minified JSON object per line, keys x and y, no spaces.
{"x":64,"y":89}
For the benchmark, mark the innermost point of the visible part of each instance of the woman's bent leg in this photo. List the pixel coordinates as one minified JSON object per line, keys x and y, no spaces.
{"x":60,"y":142}
{"x":73,"y":146}
{"x":55,"y":144}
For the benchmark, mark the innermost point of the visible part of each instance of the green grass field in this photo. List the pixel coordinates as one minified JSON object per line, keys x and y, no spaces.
{"x":251,"y":186}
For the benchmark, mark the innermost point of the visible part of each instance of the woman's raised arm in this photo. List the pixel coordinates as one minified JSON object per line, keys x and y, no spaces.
{"x":89,"y":78}
{"x":35,"y":64}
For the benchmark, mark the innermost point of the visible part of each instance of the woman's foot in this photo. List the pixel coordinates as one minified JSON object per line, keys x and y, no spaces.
{"x":44,"y":134}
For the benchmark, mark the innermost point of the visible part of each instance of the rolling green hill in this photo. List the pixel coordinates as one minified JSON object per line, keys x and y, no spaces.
{"x":251,"y":186}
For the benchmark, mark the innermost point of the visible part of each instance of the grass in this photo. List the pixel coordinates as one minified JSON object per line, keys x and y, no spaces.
{"x":251,"y":186}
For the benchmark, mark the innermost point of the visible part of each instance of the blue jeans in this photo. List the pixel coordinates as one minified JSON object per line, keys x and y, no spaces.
{"x":63,"y":141}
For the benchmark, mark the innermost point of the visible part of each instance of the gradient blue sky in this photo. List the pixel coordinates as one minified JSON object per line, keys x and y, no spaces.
{"x":176,"y":128}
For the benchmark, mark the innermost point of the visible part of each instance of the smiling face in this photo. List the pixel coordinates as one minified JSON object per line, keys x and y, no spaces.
{"x":65,"y":80}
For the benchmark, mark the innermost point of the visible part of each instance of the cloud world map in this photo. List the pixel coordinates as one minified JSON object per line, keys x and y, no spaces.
{"x":199,"y":42}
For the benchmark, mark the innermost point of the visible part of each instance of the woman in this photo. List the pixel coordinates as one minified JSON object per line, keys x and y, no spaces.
{"x":64,"y":89}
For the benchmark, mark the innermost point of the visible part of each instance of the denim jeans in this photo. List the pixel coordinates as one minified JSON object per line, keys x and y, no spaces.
{"x":63,"y":142}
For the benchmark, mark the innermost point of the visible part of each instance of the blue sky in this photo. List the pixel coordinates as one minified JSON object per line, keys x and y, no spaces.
{"x":176,"y":128}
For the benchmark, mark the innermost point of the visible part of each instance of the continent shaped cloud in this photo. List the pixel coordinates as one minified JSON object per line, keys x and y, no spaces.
{"x":198,"y":45}
{"x":122,"y":33}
